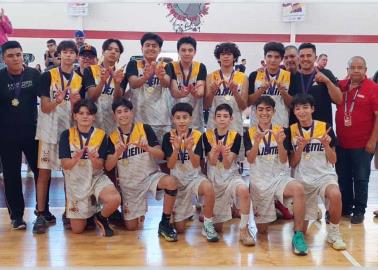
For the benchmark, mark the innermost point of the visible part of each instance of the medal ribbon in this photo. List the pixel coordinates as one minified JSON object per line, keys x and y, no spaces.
{"x":128,"y":137}
{"x":185,"y":80}
{"x":346,"y":112}
{"x":17,"y":84}
{"x":267,"y":143}
{"x":87,"y":140}
{"x":307,"y":149}
{"x":226,"y":90}
{"x":275,"y":78}
{"x":309,"y":83}
{"x":217,"y":137}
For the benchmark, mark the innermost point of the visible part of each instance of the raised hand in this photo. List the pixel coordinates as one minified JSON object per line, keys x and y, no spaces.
{"x":281,"y":87}
{"x":143,"y":144}
{"x":160,"y":71}
{"x":149,"y":70}
{"x":175,"y":140}
{"x":189,"y":142}
{"x":118,"y":76}
{"x":93,"y":154}
{"x":214,"y":85}
{"x":233,"y":87}
{"x":259,"y":135}
{"x":264,"y":86}
{"x":74,"y":97}
{"x":60,"y":95}
{"x":320,"y":77}
{"x":279,"y":136}
{"x":78,"y":154}
{"x":120,"y":148}
{"x":302,"y":142}
{"x":104,"y":74}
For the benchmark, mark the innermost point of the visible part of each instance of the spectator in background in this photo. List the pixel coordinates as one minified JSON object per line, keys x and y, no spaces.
{"x":241,"y":67}
{"x":87,"y":57}
{"x":291,"y":59}
{"x":322,"y":61}
{"x":38,"y":67}
{"x":79,"y":38}
{"x":5,"y":29}
{"x":52,"y":58}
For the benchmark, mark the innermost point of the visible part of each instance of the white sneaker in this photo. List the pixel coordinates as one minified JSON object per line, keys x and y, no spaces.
{"x":246,"y":237}
{"x":209,"y":232}
{"x":334,"y":237}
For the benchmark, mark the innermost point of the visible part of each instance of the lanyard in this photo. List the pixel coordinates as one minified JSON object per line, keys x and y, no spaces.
{"x":182,"y":149}
{"x":353,"y":100}
{"x":224,"y":141}
{"x":267,"y":143}
{"x":306,"y":88}
{"x":311,"y":132}
{"x":226,"y":90}
{"x":17,"y":84}
{"x":62,"y":79}
{"x":275,"y":78}
{"x":87,"y":140}
{"x":185,"y":80}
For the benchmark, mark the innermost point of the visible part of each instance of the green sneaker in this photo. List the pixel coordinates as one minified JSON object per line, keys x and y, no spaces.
{"x":299,"y":244}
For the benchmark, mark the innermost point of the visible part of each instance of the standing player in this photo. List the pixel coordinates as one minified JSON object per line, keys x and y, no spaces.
{"x":183,"y":150}
{"x":103,"y":83}
{"x":149,"y":83}
{"x":188,"y":80}
{"x":313,"y":159}
{"x":266,"y":148}
{"x":272,"y":81}
{"x":60,"y":88}
{"x":222,"y":146}
{"x":82,"y":150}
{"x":227,"y":86}
{"x":133,"y":146}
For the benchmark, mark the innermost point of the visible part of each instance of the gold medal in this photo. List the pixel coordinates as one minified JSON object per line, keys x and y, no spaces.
{"x":268,"y":157}
{"x":15,"y":102}
{"x":227,"y":97}
{"x":82,"y":162}
{"x":220,"y":165}
{"x":125,"y":161}
{"x":150,"y":89}
{"x":307,"y":156}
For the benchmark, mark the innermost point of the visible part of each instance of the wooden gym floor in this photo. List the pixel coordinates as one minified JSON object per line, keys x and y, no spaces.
{"x":60,"y":248}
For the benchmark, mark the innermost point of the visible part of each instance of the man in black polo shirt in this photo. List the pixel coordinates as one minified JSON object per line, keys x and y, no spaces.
{"x":18,"y":118}
{"x":321,"y":84}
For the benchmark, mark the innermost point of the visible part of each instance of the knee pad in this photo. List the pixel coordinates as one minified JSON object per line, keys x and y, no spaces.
{"x":170,"y":192}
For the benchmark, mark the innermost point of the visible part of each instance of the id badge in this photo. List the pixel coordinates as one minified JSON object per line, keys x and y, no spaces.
{"x":347,"y":120}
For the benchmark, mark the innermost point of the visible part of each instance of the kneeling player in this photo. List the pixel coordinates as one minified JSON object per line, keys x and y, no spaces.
{"x":313,"y":159}
{"x":183,"y":150}
{"x":222,"y":147}
{"x":133,"y":148}
{"x":266,"y":147}
{"x":82,"y":150}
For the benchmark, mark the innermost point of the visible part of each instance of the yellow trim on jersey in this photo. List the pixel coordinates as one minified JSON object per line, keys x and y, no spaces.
{"x":283,"y":78}
{"x":96,"y":71}
{"x":195,"y":70}
{"x":252,"y":131}
{"x":196,"y":137}
{"x":320,"y":129}
{"x":138,"y":132}
{"x":75,"y":85}
{"x":238,"y":78}
{"x":94,"y":141}
{"x":210,"y":135}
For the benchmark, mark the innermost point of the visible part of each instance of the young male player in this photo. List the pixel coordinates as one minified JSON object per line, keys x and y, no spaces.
{"x":313,"y":158}
{"x":266,"y":148}
{"x":60,"y":88}
{"x":133,"y":146}
{"x":183,"y":150}
{"x":82,"y":150}
{"x":222,"y":146}
{"x":189,"y":79}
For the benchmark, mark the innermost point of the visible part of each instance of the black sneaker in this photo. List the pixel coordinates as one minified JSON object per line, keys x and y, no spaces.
{"x":66,"y":222}
{"x":327,"y":217}
{"x":116,"y":218}
{"x":18,"y":224}
{"x":91,"y":224}
{"x":357,"y":218}
{"x":167,"y":231}
{"x":103,"y":225}
{"x":40,"y":225}
{"x":49,"y":217}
